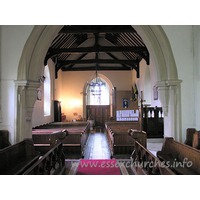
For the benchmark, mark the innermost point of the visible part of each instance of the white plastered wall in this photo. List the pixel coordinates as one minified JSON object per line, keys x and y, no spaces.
{"x":146,"y":82}
{"x":74,"y":88}
{"x":38,"y":117}
{"x":196,"y":30}
{"x":12,"y":41}
{"x":181,"y":39}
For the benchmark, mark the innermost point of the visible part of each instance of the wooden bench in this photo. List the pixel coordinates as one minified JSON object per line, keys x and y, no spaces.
{"x":181,"y":158}
{"x":139,"y":136}
{"x":120,"y":141}
{"x":52,"y":163}
{"x":17,"y":158}
{"x":74,"y":143}
{"x":45,"y":139}
{"x":4,"y":139}
{"x":193,"y":138}
{"x":196,"y":140}
{"x":143,"y":162}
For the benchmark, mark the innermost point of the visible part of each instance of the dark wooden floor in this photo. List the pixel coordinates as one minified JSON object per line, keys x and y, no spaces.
{"x":97,"y":146}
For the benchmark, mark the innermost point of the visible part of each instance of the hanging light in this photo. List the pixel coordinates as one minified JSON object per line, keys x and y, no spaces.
{"x":97,"y":82}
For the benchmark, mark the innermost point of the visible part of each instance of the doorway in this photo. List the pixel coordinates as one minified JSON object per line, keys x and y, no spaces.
{"x":99,"y":114}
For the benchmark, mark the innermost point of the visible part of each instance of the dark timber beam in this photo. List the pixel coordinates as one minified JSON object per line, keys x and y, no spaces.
{"x":97,"y":29}
{"x":98,"y":49}
{"x":93,"y":68}
{"x":82,"y":56}
{"x":112,"y":56}
{"x":107,"y":61}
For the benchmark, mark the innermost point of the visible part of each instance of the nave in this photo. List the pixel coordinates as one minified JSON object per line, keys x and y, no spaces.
{"x":97,"y":148}
{"x":76,"y":149}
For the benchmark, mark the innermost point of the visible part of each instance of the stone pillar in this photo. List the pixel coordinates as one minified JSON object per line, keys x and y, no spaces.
{"x":170,"y":96}
{"x":26,"y":94}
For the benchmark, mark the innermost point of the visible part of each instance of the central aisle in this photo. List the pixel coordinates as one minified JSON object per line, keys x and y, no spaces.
{"x":97,"y":147}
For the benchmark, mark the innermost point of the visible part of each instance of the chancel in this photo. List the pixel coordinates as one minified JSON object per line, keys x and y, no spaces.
{"x":99,"y":100}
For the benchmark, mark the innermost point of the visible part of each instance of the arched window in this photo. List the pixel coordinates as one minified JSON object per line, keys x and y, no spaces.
{"x":98,"y":94}
{"x":47,"y":91}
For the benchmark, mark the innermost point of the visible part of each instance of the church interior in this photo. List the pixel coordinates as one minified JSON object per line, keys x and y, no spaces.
{"x":99,"y":88}
{"x":99,"y":100}
{"x":99,"y":93}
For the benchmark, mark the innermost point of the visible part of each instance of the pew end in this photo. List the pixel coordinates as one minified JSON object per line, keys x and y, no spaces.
{"x":17,"y":158}
{"x":192,"y":138}
{"x":189,"y":136}
{"x":180,"y":158}
{"x":145,"y":163}
{"x":139,"y":136}
{"x":4,"y":139}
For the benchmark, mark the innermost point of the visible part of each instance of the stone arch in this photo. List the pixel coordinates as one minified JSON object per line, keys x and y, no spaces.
{"x":32,"y":59}
{"x":160,"y":50}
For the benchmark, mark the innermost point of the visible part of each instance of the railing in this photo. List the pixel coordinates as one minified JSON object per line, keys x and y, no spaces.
{"x":53,"y":162}
{"x":144,"y":162}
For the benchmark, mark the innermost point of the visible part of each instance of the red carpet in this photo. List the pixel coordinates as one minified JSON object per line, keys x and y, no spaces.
{"x":98,"y":167}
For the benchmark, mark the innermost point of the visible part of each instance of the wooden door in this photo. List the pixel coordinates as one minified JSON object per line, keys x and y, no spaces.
{"x":100,"y":114}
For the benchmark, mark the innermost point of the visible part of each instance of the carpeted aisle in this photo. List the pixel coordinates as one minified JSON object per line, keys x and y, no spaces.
{"x":98,"y":167}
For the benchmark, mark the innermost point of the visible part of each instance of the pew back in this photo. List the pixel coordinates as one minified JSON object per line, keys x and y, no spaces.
{"x":52,"y":163}
{"x":120,"y":142}
{"x":44,"y":140}
{"x":196,"y":140}
{"x":193,"y":138}
{"x":181,"y":157}
{"x":16,"y":158}
{"x":4,"y":139}
{"x":139,"y":136}
{"x":74,"y":143}
{"x":145,"y":163}
{"x":189,"y":136}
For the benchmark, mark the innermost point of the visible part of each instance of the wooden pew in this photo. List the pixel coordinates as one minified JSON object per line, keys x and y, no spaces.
{"x":4,"y":139}
{"x":139,"y":136}
{"x":45,"y":139}
{"x":73,"y":144}
{"x":196,"y":140}
{"x":189,"y":136}
{"x":181,"y":158}
{"x":124,"y":126}
{"x":52,"y":163}
{"x":17,"y":158}
{"x":123,"y":143}
{"x":143,"y":162}
{"x":62,"y":125}
{"x":119,"y":139}
{"x":193,"y":138}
